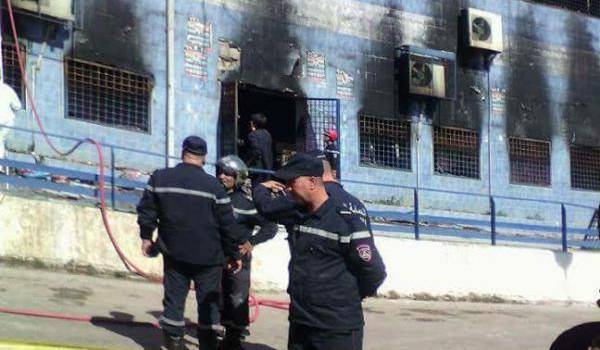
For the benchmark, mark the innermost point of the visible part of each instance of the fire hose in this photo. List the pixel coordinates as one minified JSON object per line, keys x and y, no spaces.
{"x":129,"y":265}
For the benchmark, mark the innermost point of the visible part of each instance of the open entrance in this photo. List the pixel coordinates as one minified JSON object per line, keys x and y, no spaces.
{"x":296,"y":124}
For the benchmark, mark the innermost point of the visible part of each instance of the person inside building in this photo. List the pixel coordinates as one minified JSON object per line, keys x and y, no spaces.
{"x":334,"y":262}
{"x":331,"y":150}
{"x":196,"y":233}
{"x":232,"y":172}
{"x":260,"y":148}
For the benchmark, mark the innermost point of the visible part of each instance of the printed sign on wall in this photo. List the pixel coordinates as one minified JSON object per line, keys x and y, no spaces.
{"x":315,"y":67}
{"x":498,"y":101}
{"x":344,"y":85}
{"x":197,"y":48}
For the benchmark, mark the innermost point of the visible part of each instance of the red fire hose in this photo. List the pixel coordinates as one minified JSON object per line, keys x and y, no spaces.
{"x":130,"y":266}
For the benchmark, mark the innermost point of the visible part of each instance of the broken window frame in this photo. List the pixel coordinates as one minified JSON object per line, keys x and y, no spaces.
{"x":457,"y":143}
{"x":404,"y":159}
{"x":117,"y":82}
{"x":582,"y":173}
{"x":529,"y":145}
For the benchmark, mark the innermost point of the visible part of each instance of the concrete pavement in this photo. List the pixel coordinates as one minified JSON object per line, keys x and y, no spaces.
{"x":391,"y":324}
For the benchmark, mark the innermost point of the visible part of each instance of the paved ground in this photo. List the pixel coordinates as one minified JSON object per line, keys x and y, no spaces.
{"x":391,"y":324}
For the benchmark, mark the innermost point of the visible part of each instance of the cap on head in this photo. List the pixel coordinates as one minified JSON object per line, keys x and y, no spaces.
{"x":194,"y":145}
{"x":301,"y":164}
{"x":331,"y":134}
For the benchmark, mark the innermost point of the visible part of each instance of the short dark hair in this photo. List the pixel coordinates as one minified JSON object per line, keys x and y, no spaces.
{"x":259,"y":120}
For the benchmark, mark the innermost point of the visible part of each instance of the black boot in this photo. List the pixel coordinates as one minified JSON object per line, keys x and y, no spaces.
{"x":233,"y":339}
{"x":171,"y":342}
{"x":207,"y":339}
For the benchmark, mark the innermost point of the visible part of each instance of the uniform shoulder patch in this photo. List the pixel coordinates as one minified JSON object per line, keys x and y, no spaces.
{"x":364,"y":252}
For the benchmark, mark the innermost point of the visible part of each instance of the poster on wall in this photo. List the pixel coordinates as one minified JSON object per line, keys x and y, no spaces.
{"x":498,"y":101}
{"x":197,"y":48}
{"x":315,"y":68}
{"x":344,"y":85}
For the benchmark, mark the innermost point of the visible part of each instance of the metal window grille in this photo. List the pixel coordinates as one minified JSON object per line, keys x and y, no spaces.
{"x":456,"y":152}
{"x":585,"y":168}
{"x":107,"y":95}
{"x":590,"y":7}
{"x":384,"y":143}
{"x":10,"y":67}
{"x":321,"y":115}
{"x":529,"y":162}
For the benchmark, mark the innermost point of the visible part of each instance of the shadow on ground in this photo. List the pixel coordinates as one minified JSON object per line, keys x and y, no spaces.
{"x":146,"y":334}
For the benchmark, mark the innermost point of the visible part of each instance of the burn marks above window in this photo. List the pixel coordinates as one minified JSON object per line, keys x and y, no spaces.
{"x":384,"y":143}
{"x":590,"y":7}
{"x":456,"y":152}
{"x":529,"y":162}
{"x":585,"y":168}
{"x":10,"y":67}
{"x":107,"y":95}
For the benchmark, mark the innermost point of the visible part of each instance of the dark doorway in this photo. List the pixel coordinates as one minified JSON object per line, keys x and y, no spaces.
{"x":295,"y":123}
{"x":282,"y":120}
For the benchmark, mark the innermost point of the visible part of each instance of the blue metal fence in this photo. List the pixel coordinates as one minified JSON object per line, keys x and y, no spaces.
{"x":125,"y":193}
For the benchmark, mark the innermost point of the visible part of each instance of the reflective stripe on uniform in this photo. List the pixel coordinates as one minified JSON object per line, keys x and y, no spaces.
{"x":245,"y":212}
{"x":317,"y":232}
{"x":360,"y":235}
{"x":163,"y":319}
{"x":180,"y":190}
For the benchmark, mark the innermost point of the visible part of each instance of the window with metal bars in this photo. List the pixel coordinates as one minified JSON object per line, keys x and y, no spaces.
{"x":456,"y":152}
{"x":529,"y":162}
{"x":585,"y":168}
{"x":10,"y":67}
{"x":106,"y":95}
{"x":590,"y":7}
{"x":384,"y":143}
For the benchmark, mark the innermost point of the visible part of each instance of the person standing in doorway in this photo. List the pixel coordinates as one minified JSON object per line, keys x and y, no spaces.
{"x":260,"y":146}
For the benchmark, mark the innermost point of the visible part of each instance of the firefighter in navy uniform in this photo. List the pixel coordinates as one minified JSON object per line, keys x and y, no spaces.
{"x":232,"y":172}
{"x":334,"y":263}
{"x":196,"y":233}
{"x":284,"y":204}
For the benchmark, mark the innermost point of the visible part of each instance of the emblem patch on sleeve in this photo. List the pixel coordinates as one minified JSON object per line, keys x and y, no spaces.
{"x":364,"y":251}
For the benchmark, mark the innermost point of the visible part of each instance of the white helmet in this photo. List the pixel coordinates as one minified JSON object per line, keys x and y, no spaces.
{"x":232,"y":165}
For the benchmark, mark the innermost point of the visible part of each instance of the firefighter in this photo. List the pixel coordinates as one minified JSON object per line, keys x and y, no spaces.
{"x":331,"y":151}
{"x":232,"y":172}
{"x":196,"y":233}
{"x":334,"y":262}
{"x":286,"y":205}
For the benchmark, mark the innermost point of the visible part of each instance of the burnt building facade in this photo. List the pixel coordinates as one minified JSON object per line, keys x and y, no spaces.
{"x":417,"y":102}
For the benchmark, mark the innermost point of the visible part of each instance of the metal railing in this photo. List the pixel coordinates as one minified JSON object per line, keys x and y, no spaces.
{"x":122,"y":192}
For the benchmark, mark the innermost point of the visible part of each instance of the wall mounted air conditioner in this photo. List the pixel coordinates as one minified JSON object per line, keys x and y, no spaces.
{"x":483,"y":30}
{"x":425,"y":72}
{"x":61,"y":9}
{"x":427,"y":79}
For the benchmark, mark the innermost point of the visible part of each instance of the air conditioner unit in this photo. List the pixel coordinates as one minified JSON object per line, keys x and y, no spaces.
{"x":427,"y":79}
{"x":425,"y":72}
{"x":61,"y":9}
{"x":483,"y":30}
